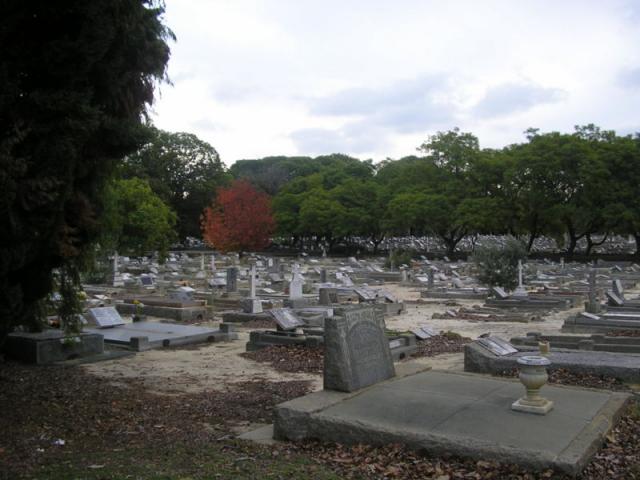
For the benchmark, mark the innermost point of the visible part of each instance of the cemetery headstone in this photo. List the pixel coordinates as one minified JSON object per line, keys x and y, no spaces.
{"x":323,"y":275}
{"x":232,"y":279}
{"x":357,"y":351}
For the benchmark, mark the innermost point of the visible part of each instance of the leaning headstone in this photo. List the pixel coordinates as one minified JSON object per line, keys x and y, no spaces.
{"x":105,"y":317}
{"x":286,"y":319}
{"x":614,"y":300}
{"x":357,"y":351}
{"x":232,"y":279}
{"x":617,"y":288}
{"x":499,"y":293}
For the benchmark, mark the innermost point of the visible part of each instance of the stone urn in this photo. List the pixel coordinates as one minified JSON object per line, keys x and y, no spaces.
{"x":533,"y":375}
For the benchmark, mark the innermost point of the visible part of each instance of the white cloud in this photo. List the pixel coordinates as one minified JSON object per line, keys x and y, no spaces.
{"x":374,"y":78}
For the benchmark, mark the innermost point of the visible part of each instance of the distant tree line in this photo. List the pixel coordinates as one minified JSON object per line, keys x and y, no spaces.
{"x":581,"y":185}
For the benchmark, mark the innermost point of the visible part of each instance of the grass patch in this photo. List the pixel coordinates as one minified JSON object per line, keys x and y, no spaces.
{"x":231,"y":459}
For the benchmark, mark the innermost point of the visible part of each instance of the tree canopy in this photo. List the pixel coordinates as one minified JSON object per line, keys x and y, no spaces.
{"x":239,"y":219}
{"x":183,"y":170}
{"x":76,"y":82}
{"x":569,"y":186}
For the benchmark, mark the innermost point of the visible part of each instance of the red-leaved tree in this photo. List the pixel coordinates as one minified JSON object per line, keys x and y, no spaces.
{"x":239,"y":219}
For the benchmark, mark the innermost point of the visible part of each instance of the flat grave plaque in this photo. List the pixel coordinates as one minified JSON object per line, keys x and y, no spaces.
{"x":497,"y":346}
{"x":146,"y":280}
{"x":269,"y":291}
{"x":423,"y":332}
{"x":106,"y":317}
{"x":590,"y":316}
{"x":388,"y":296}
{"x":286,"y":319}
{"x":366,"y":293}
{"x":396,"y":343}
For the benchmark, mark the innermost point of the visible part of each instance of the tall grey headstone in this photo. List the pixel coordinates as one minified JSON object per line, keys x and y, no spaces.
{"x":232,"y":279}
{"x":357,"y":351}
{"x":295,"y":286}
{"x":593,"y":305}
{"x":323,"y":275}
{"x":431,"y":275}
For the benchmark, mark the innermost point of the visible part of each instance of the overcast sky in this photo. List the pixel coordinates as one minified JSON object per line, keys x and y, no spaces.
{"x":373,"y":78}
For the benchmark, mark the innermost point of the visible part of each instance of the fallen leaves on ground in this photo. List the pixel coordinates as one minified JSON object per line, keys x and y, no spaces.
{"x":290,"y":358}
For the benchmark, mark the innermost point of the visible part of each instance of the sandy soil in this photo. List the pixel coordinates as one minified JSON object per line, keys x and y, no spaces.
{"x":212,"y":366}
{"x":194,"y":369}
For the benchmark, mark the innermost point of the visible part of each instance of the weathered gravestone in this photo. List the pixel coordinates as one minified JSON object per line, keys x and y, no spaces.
{"x":105,"y":317}
{"x":232,"y":279}
{"x":357,"y":351}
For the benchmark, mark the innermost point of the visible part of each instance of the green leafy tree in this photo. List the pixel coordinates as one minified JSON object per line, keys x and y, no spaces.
{"x":136,"y":220}
{"x":76,"y":82}
{"x":183,"y":170}
{"x":498,"y":264}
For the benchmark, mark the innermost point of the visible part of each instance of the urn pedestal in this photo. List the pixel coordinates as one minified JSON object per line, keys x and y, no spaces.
{"x":533,"y":375}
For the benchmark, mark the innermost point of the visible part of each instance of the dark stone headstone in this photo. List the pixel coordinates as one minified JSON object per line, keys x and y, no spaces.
{"x":356,"y":351}
{"x":232,"y":279}
{"x":323,"y":275}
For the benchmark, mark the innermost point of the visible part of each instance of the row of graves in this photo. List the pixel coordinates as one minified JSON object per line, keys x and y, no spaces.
{"x":603,"y":340}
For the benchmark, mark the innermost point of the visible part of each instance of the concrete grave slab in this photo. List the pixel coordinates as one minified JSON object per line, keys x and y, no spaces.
{"x":459,"y":414}
{"x":155,"y":334}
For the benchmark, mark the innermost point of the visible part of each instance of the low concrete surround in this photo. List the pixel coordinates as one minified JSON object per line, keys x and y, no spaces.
{"x":600,"y":343}
{"x":466,"y":415}
{"x":625,"y":366}
{"x":140,"y":336}
{"x":49,"y":346}
{"x":180,"y":314}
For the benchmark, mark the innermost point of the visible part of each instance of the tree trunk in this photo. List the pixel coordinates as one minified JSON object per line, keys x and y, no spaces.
{"x":591,"y":243}
{"x":637,"y":237}
{"x":532,"y":238}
